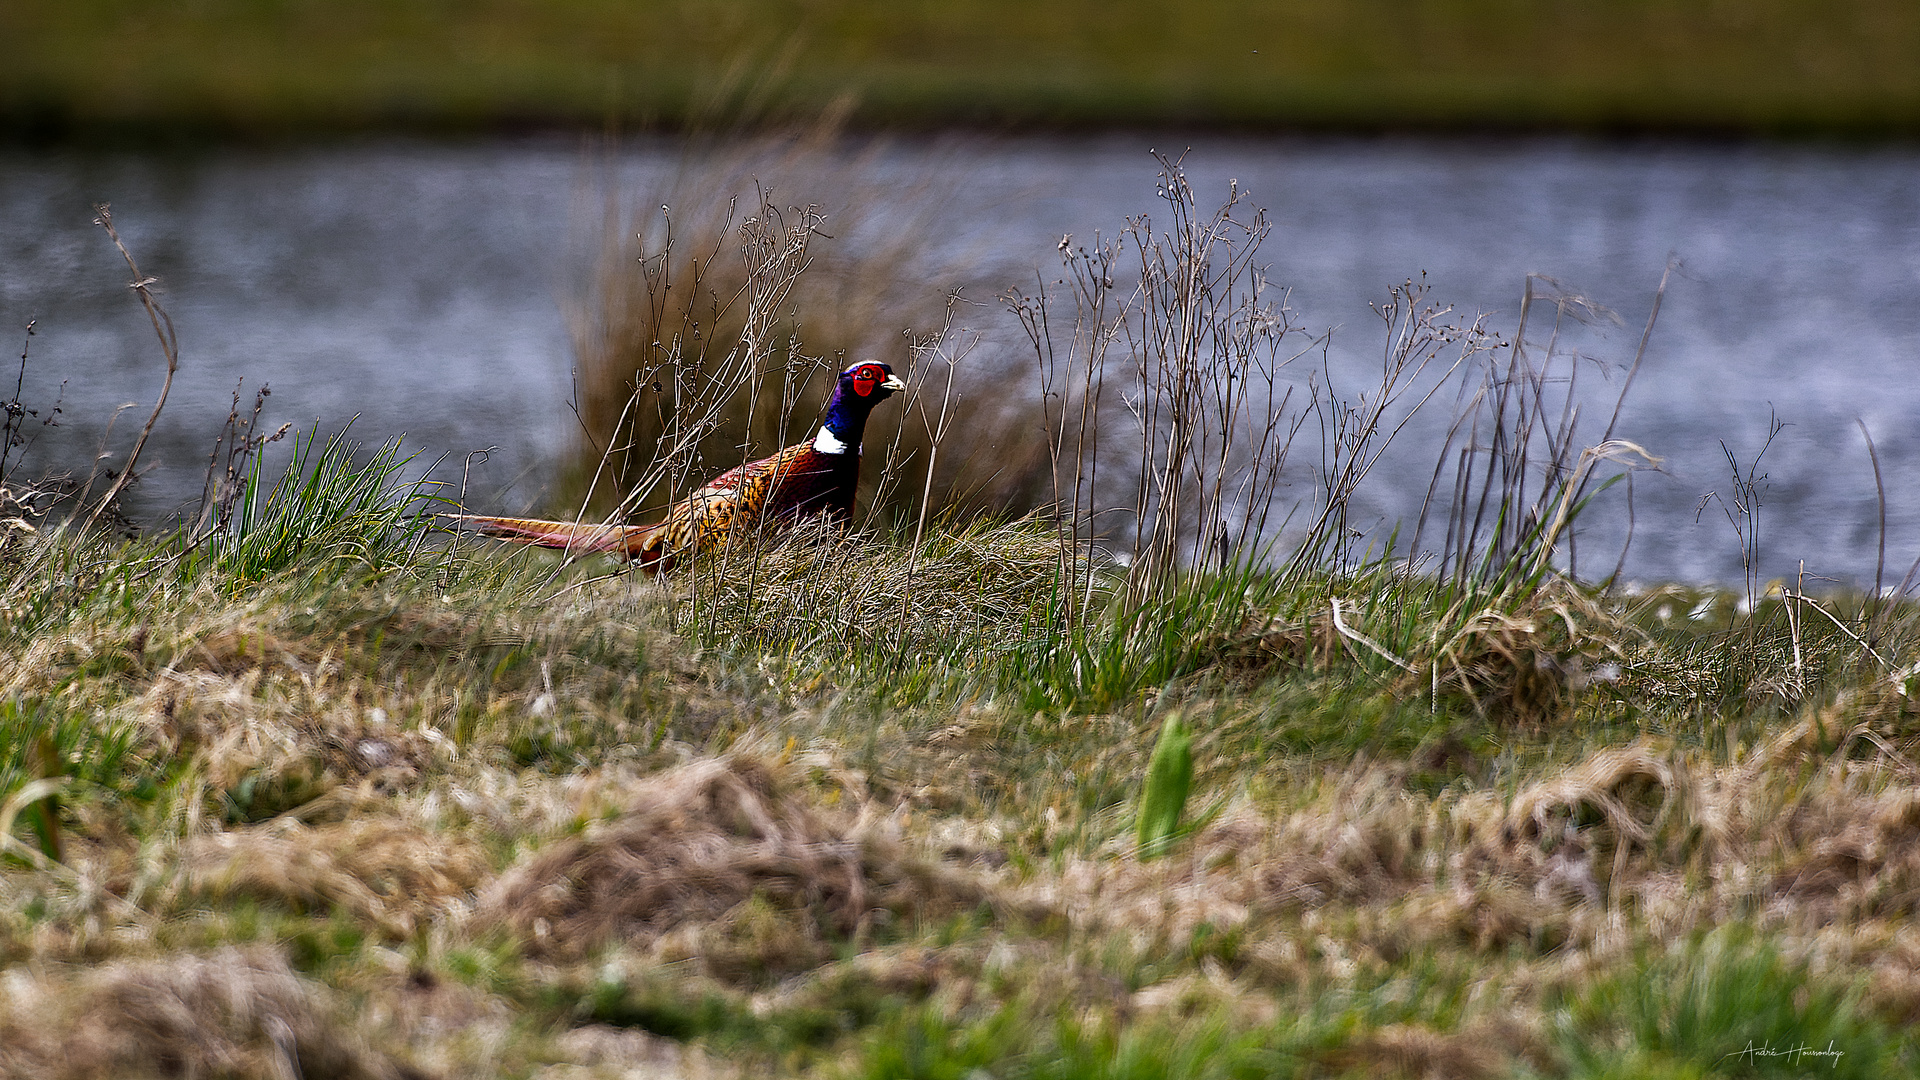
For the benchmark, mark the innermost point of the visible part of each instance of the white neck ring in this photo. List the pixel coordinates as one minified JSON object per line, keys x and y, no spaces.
{"x":828,"y":443}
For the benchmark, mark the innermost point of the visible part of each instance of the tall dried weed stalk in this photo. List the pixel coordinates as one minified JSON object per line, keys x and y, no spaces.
{"x":1520,"y":474}
{"x":1176,"y":387}
{"x":24,"y":500}
{"x":1170,"y":415}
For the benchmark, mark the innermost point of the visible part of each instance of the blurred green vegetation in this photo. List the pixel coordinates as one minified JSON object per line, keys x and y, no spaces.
{"x":75,"y":68}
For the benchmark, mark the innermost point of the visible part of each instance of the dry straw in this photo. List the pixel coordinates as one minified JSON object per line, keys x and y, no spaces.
{"x":232,"y":1012}
{"x":700,"y":844}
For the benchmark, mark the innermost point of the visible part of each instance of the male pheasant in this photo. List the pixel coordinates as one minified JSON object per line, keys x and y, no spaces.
{"x":812,"y":478}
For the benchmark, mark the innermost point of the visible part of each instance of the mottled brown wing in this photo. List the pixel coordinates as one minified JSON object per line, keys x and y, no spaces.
{"x":802,"y":481}
{"x":785,"y":485}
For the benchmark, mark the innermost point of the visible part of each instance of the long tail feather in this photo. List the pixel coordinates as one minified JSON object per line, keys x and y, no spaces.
{"x":629,"y":540}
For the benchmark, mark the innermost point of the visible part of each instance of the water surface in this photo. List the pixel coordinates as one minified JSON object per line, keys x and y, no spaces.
{"x":421,"y":287}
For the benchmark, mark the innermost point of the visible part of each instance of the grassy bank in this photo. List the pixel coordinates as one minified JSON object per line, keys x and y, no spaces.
{"x":383,"y":810}
{"x":1780,"y":66}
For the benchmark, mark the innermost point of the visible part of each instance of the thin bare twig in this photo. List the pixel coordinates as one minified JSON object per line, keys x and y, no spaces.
{"x":1800,"y":597}
{"x":1353,"y":635}
{"x":169,"y":346}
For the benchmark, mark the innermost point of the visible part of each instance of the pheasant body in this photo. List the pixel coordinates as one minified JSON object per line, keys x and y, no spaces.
{"x":814,"y":478}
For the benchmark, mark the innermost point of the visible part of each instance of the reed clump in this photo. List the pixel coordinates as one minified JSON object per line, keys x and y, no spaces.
{"x":716,"y":319}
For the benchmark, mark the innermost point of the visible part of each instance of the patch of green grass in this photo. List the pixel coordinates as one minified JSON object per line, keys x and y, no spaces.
{"x":87,"y":749}
{"x":1729,"y":1004}
{"x":326,"y":505}
{"x":923,"y":1044}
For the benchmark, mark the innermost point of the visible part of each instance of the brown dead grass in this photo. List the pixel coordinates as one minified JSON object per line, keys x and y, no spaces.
{"x":386,"y":873}
{"x":1809,"y":840}
{"x":1521,"y":664}
{"x":813,"y":588}
{"x":785,"y":884}
{"x":1361,"y":840}
{"x":727,"y":845}
{"x":234,"y":1012}
{"x":599,"y":1050}
{"x":1417,"y":1053}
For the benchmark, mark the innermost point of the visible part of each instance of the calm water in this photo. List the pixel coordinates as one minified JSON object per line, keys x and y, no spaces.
{"x":421,"y":287}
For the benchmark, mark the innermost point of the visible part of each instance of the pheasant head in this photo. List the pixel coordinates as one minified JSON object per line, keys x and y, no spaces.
{"x":861,"y":387}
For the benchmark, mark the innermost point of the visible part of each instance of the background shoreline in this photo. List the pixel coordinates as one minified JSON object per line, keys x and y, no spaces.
{"x":105,"y":71}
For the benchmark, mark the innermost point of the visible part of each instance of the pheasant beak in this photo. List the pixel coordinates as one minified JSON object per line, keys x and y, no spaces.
{"x":893,"y":383}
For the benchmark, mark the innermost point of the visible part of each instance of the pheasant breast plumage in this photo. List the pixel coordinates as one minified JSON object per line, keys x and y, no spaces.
{"x":814,"y":478}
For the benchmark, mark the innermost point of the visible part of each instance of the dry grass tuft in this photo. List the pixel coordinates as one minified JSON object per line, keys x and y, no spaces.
{"x":1265,"y":644}
{"x":1624,"y":794}
{"x":1412,"y":1052}
{"x":234,"y":1012}
{"x":723,"y":845}
{"x":1518,"y":661}
{"x":1675,"y":839}
{"x":599,"y":1050}
{"x":1210,"y":991}
{"x":389,"y":874}
{"x":1362,"y":841}
{"x":1521,"y":662}
{"x":812,"y":587}
{"x":1848,"y":855}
